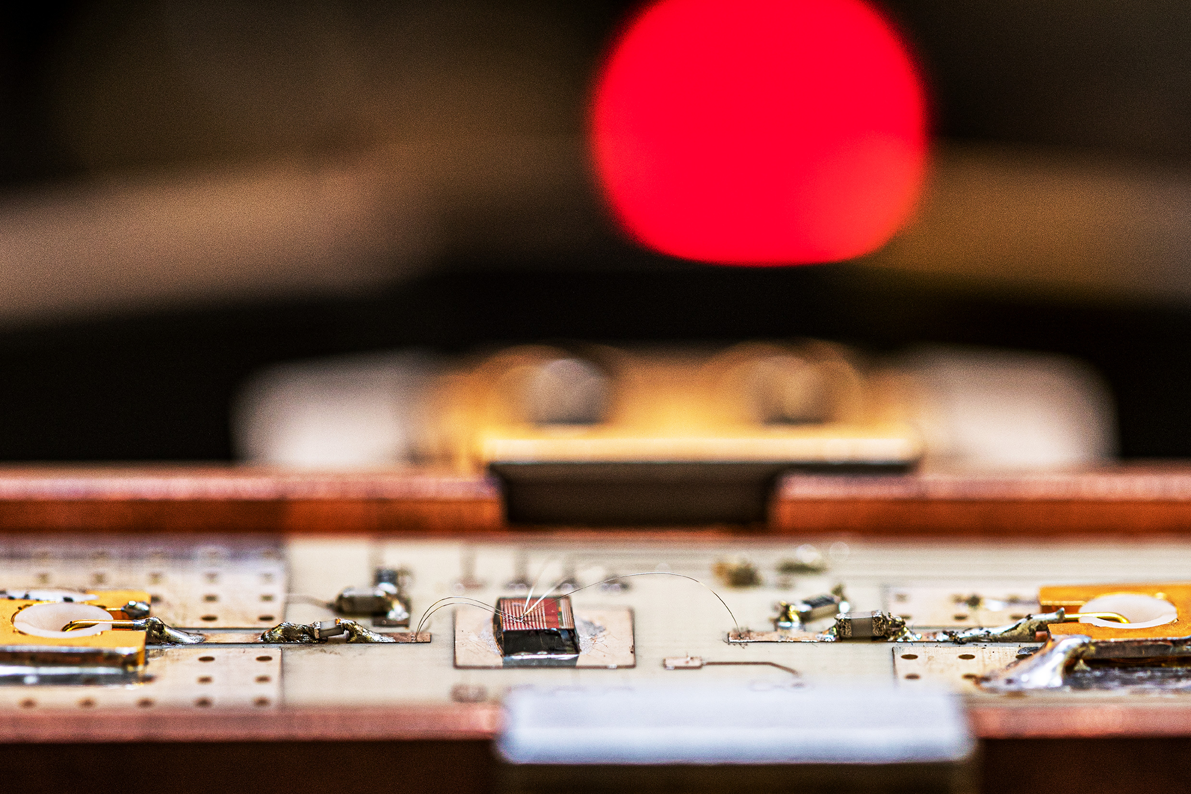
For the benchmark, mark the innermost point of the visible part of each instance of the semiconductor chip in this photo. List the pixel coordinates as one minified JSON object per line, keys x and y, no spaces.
{"x":542,"y":635}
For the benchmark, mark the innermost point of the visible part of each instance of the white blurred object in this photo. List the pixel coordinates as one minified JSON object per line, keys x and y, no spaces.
{"x":975,"y":409}
{"x":864,"y":724}
{"x":347,"y":412}
{"x":996,"y":409}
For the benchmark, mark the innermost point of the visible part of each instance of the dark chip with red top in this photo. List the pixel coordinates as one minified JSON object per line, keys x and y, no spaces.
{"x":537,"y":633}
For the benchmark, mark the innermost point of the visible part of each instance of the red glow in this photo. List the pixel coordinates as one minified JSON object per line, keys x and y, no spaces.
{"x":760,"y":131}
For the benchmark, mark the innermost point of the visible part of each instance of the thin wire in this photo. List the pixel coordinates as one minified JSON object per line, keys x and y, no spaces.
{"x":426,"y":617}
{"x":466,"y":601}
{"x":534,"y":586}
{"x":735,"y":622}
{"x":455,"y":600}
{"x":310,"y":600}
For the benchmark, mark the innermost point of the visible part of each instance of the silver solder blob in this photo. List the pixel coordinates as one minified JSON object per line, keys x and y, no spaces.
{"x":321,"y":631}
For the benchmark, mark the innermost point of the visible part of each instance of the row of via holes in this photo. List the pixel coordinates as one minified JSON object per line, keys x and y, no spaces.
{"x":99,"y":577}
{"x":206,"y":554}
{"x":211,"y":576}
{"x":915,"y":676}
{"x":145,"y":703}
{"x":958,"y":615}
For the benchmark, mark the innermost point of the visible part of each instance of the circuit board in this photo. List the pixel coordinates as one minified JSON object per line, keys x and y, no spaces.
{"x":667,"y":607}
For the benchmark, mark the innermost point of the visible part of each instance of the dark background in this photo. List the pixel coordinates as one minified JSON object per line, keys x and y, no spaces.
{"x":1095,"y":77}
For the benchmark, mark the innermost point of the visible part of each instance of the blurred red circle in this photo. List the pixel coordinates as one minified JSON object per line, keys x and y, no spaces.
{"x":760,"y":131}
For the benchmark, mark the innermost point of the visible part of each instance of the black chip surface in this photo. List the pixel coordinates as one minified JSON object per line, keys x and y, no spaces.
{"x":537,"y":633}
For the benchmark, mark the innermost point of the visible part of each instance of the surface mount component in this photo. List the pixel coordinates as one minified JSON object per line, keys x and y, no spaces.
{"x":385,"y":602}
{"x":737,"y":572}
{"x":541,"y":633}
{"x":867,"y":626}
{"x":807,"y":559}
{"x":795,"y":614}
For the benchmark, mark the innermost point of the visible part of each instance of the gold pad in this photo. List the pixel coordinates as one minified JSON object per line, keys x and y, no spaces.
{"x":1073,"y":597}
{"x":122,"y":649}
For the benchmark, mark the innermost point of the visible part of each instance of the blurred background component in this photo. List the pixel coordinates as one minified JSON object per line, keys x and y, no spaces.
{"x":811,"y":405}
{"x":366,"y":410}
{"x":1051,"y":222}
{"x":132,"y":243}
{"x":594,"y":435}
{"x":992,"y":409}
{"x":191,"y":193}
{"x":759,"y":132}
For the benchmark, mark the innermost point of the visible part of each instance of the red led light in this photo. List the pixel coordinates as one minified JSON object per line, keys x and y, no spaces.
{"x":760,"y":131}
